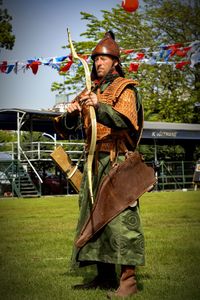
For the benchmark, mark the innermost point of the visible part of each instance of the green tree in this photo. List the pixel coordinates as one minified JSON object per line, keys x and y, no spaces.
{"x":95,"y":31}
{"x":176,"y":21}
{"x":7,"y":137}
{"x":168,"y":93}
{"x":7,"y":39}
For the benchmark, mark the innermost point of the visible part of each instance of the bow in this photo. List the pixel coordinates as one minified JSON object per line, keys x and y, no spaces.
{"x":92,"y":116}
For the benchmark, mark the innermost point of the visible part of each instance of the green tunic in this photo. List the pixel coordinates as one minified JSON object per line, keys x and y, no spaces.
{"x":121,"y":241}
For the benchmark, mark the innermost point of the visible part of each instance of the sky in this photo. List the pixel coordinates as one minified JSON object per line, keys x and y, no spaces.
{"x":40,"y":29}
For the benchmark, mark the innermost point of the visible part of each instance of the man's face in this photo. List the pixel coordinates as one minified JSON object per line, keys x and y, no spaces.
{"x":103,"y":64}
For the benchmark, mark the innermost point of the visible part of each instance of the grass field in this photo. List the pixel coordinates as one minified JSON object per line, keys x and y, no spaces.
{"x":36,"y":237}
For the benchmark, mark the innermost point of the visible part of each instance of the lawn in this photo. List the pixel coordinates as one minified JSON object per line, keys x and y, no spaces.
{"x":37,"y":234}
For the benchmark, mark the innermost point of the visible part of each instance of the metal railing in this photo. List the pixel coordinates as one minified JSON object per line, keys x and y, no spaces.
{"x":175,"y":175}
{"x":170,"y":174}
{"x":33,"y":168}
{"x":15,"y":180}
{"x":41,"y":150}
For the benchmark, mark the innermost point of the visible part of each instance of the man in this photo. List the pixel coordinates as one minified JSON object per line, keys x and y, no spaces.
{"x":119,"y":126}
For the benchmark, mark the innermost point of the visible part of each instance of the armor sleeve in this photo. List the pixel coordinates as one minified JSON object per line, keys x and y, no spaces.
{"x":126,"y":105}
{"x":109,"y":117}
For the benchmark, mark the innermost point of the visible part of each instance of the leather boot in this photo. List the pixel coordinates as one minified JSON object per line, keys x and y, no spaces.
{"x":106,"y":278}
{"x":128,"y":285}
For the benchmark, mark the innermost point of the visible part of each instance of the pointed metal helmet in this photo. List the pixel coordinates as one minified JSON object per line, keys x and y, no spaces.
{"x":107,"y":46}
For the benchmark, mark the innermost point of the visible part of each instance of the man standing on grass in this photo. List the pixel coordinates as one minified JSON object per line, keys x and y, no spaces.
{"x":119,"y":124}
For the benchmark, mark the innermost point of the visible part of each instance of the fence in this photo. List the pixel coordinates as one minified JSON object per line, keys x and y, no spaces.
{"x":175,"y":175}
{"x":170,"y":174}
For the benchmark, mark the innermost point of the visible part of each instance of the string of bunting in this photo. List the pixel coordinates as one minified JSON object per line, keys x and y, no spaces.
{"x":184,"y":55}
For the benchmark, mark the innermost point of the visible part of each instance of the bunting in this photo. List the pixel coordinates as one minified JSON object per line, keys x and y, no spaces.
{"x":178,"y":55}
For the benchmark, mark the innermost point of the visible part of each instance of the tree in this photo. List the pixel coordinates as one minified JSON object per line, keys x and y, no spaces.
{"x":177,"y":21}
{"x":96,"y":30}
{"x":7,"y":39}
{"x":7,"y":137}
{"x":168,"y":93}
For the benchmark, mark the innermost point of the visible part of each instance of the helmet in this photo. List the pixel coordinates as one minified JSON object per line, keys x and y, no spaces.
{"x":107,"y":46}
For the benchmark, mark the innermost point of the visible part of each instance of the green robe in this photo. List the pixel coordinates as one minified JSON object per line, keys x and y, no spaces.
{"x":121,"y":241}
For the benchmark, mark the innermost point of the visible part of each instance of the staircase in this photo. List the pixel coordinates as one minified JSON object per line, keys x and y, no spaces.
{"x":21,"y":182}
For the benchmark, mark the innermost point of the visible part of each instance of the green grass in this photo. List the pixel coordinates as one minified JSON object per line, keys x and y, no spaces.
{"x":36,"y":237}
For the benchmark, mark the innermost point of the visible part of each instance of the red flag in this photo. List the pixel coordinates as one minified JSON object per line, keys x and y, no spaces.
{"x":3,"y":67}
{"x":182,"y":64}
{"x":183,"y":52}
{"x":173,"y":51}
{"x":34,"y":66}
{"x":173,"y":46}
{"x":140,"y":56}
{"x":66,"y":67}
{"x":127,"y":51}
{"x":133,"y":67}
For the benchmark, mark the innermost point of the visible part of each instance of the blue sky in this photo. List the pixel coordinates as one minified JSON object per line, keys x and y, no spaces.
{"x":40,"y":28}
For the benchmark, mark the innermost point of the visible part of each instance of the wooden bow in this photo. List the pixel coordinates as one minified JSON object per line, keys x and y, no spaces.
{"x":92,"y":116}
